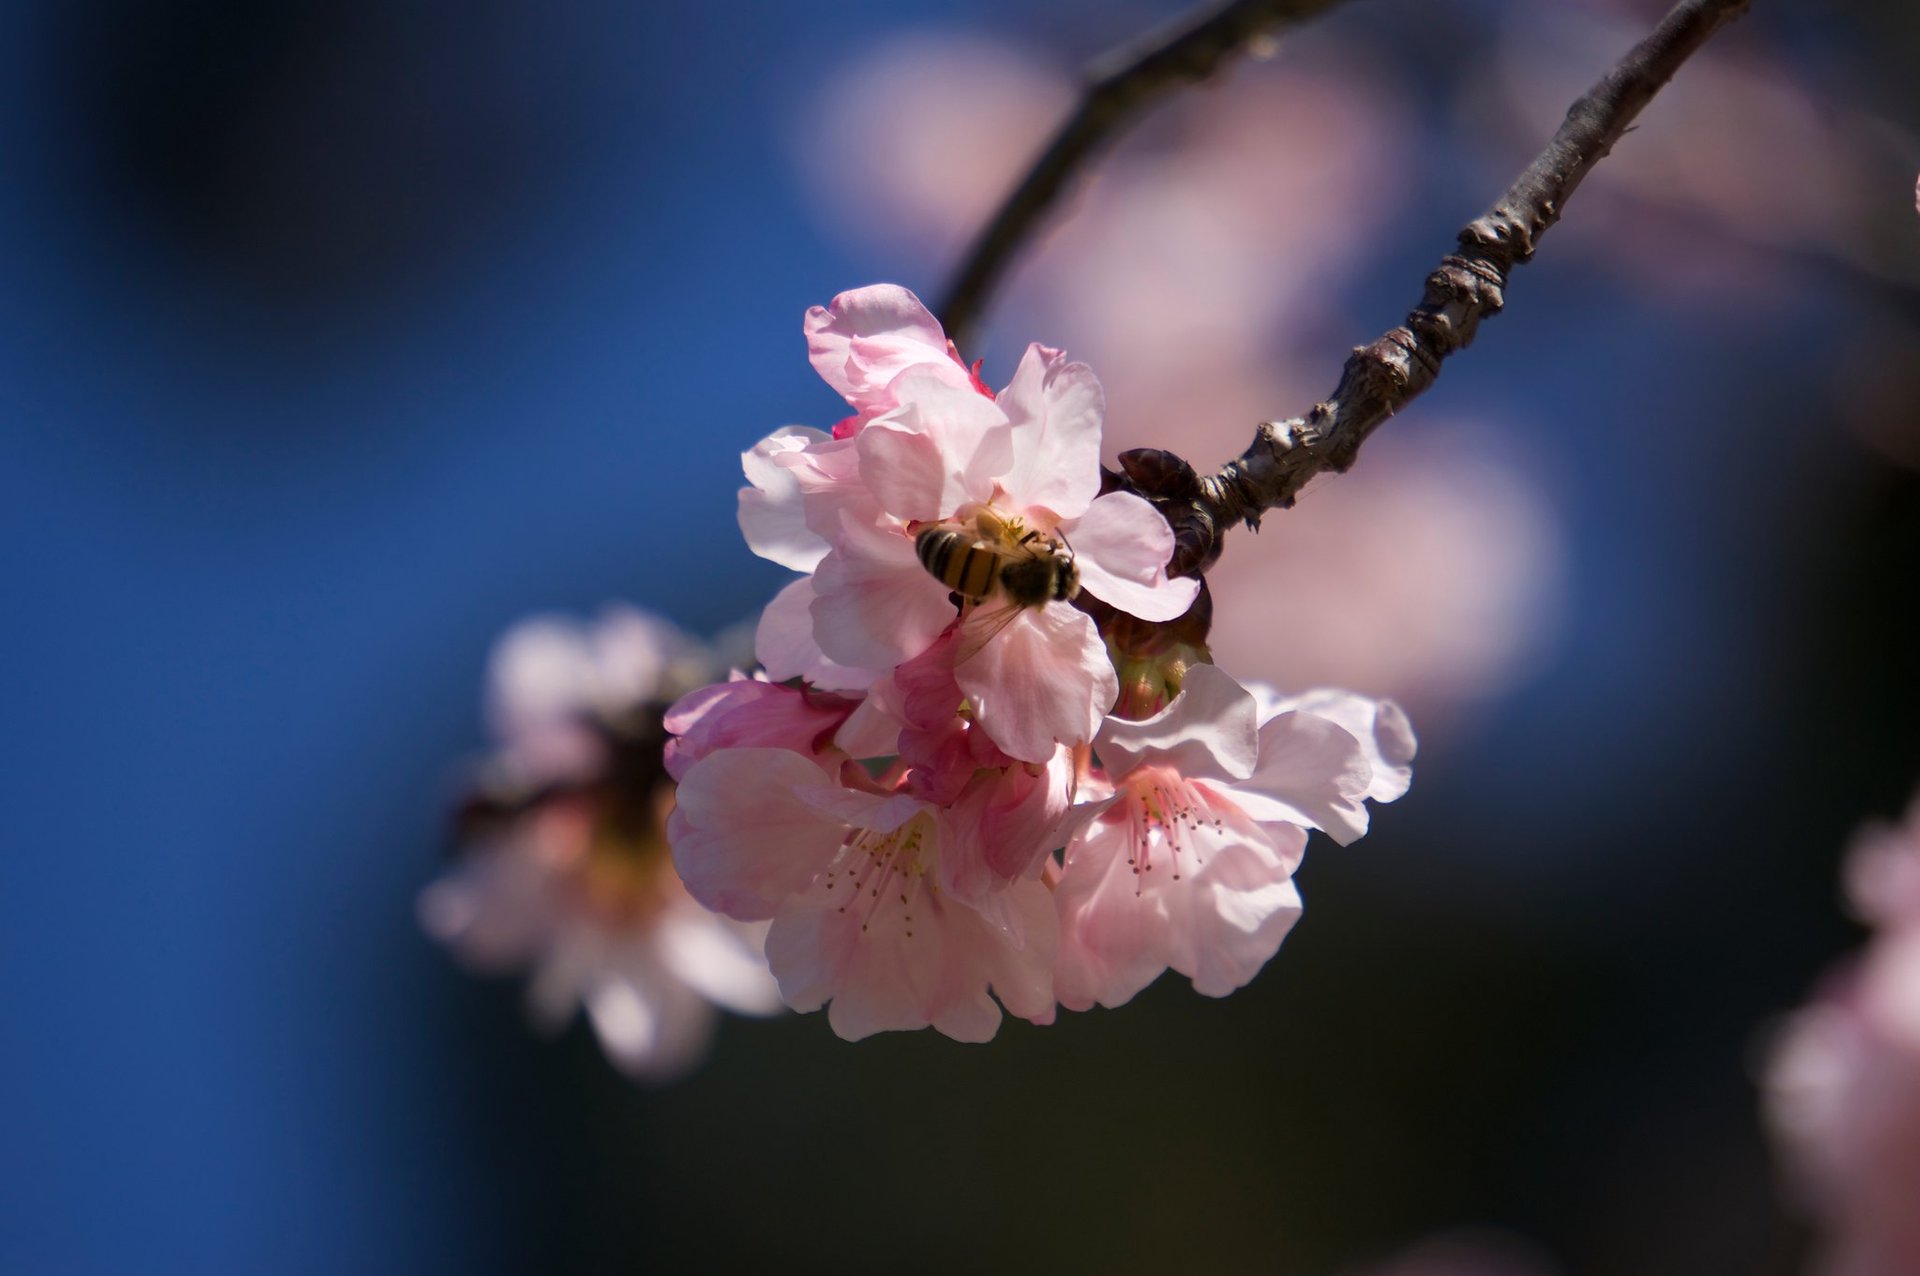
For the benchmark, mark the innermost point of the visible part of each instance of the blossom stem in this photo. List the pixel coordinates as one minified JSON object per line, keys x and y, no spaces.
{"x":1381,"y":378}
{"x":1119,"y":87}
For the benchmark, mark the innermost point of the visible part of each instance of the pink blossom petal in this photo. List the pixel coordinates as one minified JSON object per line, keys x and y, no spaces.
{"x":1121,"y":546}
{"x":1002,"y":825}
{"x":1381,"y":727}
{"x":785,"y":647}
{"x":654,"y":1029}
{"x":866,"y":337}
{"x":872,"y":732}
{"x":856,"y":808}
{"x":1209,"y":731}
{"x":752,"y":713}
{"x":1112,"y":933}
{"x":1227,"y":916}
{"x":744,"y":836}
{"x":827,"y":474}
{"x":721,"y":959}
{"x":1245,"y":910}
{"x":1044,"y":680}
{"x":541,"y":688}
{"x":1056,"y":409}
{"x":496,"y":908}
{"x":937,"y":451}
{"x":1128,"y":910}
{"x":880,"y":978}
{"x":874,"y":604}
{"x":1312,"y":772}
{"x":1021,"y":974}
{"x":772,"y":514}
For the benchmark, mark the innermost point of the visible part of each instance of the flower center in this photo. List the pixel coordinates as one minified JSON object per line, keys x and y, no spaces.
{"x":625,"y":870}
{"x":1164,"y":814}
{"x":883,"y":874}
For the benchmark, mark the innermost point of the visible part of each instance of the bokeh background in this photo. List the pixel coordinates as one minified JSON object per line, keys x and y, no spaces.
{"x":336,"y":337}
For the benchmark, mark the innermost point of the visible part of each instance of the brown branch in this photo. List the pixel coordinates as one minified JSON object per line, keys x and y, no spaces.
{"x":1119,"y":87}
{"x":1379,"y":379}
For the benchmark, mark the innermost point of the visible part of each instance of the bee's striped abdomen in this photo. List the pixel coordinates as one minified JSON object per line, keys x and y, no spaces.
{"x":956,"y":562}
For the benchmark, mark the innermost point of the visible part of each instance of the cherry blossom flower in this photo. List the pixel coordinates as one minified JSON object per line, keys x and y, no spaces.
{"x":1017,"y":472}
{"x":900,"y":911}
{"x":1843,"y":1084}
{"x":907,"y":791}
{"x":1191,"y":866}
{"x":565,"y":871}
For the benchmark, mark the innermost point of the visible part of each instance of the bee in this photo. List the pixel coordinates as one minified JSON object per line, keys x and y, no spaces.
{"x":1028,"y":569}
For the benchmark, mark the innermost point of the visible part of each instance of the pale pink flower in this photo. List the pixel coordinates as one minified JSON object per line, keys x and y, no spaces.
{"x":1022,"y":468}
{"x":899,"y":911}
{"x":646,"y":963}
{"x":565,"y":872}
{"x":551,"y":680}
{"x":1843,"y":1083}
{"x":1191,"y":866}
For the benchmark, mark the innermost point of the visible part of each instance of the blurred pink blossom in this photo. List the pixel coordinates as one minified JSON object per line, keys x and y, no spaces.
{"x":564,"y":871}
{"x":1468,"y":1253}
{"x":1213,"y":243}
{"x":1432,"y":574}
{"x":917,"y":139}
{"x":1843,"y":1083}
{"x":1692,"y":203}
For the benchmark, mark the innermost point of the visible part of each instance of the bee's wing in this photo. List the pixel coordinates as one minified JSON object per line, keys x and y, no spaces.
{"x":980,"y":626}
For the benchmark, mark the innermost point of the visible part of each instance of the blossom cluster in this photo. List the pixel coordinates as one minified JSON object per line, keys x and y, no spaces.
{"x":1843,"y":1085}
{"x":563,"y":868}
{"x":986,"y":754}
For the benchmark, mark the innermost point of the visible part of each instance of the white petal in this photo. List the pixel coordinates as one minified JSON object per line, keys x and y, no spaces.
{"x":866,"y":337}
{"x":1209,"y":730}
{"x":784,"y":643}
{"x":1381,"y":727}
{"x":772,"y":514}
{"x":1056,"y":409}
{"x":937,"y":451}
{"x":1122,"y":546}
{"x":719,"y":958}
{"x":1312,"y":772}
{"x":1251,"y":922}
{"x":541,"y":672}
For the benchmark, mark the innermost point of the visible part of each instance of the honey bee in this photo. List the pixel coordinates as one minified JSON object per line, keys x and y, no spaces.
{"x":1027,"y":569}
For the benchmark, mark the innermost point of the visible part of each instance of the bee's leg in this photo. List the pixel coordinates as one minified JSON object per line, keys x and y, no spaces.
{"x":958,"y":600}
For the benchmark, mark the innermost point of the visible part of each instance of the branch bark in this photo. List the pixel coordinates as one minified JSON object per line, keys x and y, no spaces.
{"x":1470,"y":284}
{"x":1119,"y":87}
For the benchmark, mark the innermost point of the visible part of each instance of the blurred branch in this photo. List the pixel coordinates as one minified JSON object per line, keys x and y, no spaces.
{"x":1471,"y":283}
{"x":1119,"y":87}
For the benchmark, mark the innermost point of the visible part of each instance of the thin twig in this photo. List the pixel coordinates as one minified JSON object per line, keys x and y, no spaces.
{"x":1379,"y":379}
{"x":1119,"y":87}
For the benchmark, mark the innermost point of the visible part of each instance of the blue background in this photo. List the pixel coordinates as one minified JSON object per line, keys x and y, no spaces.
{"x":335,"y":338}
